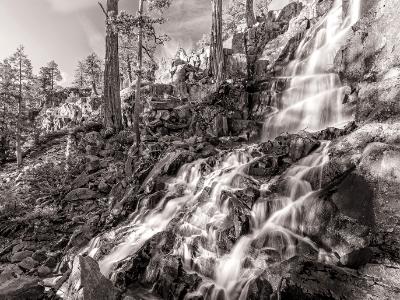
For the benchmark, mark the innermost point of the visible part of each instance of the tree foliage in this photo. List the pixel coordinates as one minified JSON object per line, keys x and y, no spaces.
{"x":128,"y":26}
{"x":49,"y":75}
{"x":89,"y":73}
{"x":235,"y":13}
{"x":16,"y":90}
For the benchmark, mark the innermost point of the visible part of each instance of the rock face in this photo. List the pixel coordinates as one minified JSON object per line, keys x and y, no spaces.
{"x":87,"y":283}
{"x":369,"y":62}
{"x":309,"y":280}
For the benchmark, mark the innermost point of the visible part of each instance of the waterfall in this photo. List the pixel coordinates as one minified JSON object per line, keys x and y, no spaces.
{"x":278,"y":224}
{"x":314,"y":99}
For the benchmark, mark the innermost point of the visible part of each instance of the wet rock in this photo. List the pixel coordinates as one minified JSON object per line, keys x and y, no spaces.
{"x":248,"y":196}
{"x":294,"y":146}
{"x":168,"y":165}
{"x":19,"y":256}
{"x":225,"y":234}
{"x":259,"y":289}
{"x":151,"y":201}
{"x":80,"y":194}
{"x":243,"y":182}
{"x":266,"y":166}
{"x":170,"y":280}
{"x":86,"y":281}
{"x":22,"y":288}
{"x":279,"y":153}
{"x":132,"y":269}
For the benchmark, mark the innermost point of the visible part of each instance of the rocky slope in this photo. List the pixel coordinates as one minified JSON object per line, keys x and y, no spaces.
{"x":208,"y":211}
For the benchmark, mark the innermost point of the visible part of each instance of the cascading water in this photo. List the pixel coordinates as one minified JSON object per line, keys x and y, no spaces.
{"x":277,"y":225}
{"x":314,"y":99}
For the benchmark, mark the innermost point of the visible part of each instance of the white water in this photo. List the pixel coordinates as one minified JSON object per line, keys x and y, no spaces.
{"x":314,"y":99}
{"x":280,"y":223}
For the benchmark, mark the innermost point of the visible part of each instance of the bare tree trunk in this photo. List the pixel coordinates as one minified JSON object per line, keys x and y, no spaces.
{"x":94,"y":87}
{"x":128,"y":62}
{"x":217,"y":50}
{"x":250,"y":18}
{"x":112,"y":98}
{"x":137,"y":109}
{"x":18,"y":137}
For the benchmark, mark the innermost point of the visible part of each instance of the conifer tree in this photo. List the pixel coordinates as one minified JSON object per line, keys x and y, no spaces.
{"x":22,"y":72}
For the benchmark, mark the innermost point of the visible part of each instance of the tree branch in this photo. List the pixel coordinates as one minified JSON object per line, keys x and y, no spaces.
{"x":102,"y":8}
{"x":148,"y":54}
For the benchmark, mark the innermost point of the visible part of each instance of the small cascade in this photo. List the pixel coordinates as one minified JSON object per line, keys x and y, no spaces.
{"x":279,"y":227}
{"x":146,"y":224}
{"x":314,"y":98}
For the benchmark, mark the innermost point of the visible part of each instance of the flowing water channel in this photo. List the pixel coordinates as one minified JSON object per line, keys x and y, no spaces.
{"x":314,"y":99}
{"x":278,"y":223}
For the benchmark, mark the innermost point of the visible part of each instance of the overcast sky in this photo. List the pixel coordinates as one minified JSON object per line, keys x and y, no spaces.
{"x":68,"y":30}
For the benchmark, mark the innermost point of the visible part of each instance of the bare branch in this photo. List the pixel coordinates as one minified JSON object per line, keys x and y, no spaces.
{"x":102,"y":8}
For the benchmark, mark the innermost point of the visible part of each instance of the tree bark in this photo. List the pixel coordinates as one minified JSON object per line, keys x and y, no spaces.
{"x":136,"y":114}
{"x":112,"y":98}
{"x":217,"y":49}
{"x":250,"y":18}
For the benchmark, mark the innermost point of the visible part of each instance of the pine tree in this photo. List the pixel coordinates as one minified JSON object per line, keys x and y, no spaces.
{"x":80,"y":80}
{"x":92,"y":71}
{"x":7,"y":97}
{"x":22,"y":68}
{"x":143,"y":27}
{"x":242,"y":12}
{"x":49,"y":75}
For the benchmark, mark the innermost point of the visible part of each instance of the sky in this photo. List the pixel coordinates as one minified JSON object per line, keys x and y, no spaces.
{"x":68,"y":30}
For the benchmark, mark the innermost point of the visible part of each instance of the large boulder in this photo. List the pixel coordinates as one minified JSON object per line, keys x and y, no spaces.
{"x":87,"y":283}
